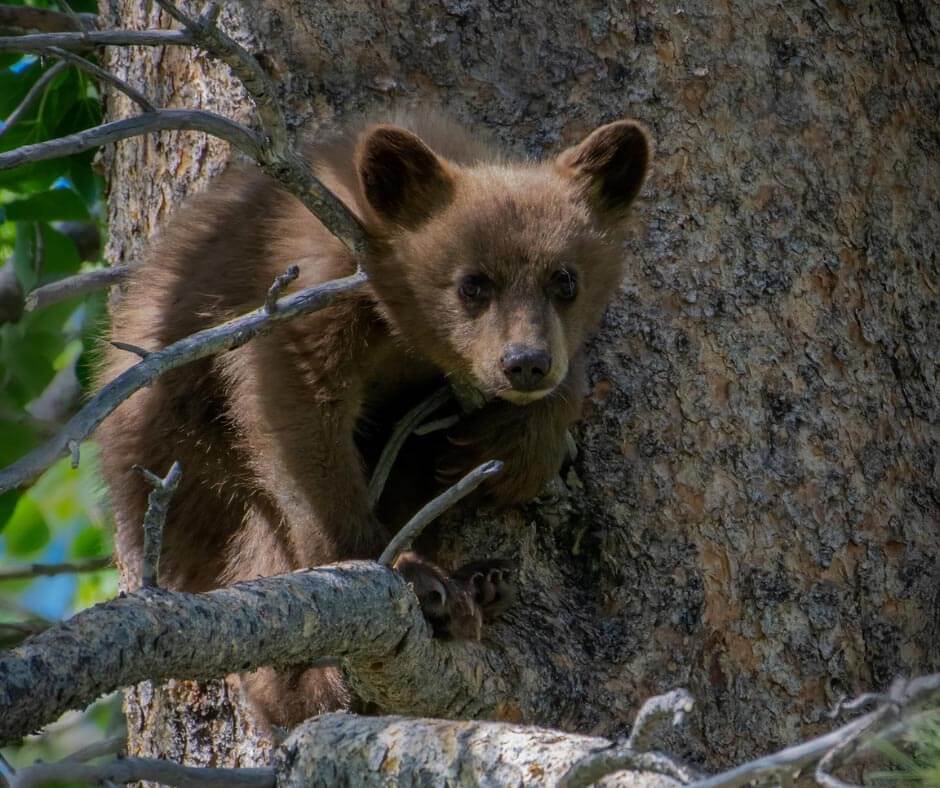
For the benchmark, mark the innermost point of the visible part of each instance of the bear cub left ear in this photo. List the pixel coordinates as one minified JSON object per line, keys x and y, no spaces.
{"x":610,"y":165}
{"x":403,"y":180}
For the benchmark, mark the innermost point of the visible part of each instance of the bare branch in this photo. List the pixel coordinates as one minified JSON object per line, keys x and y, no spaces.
{"x":672,"y":705}
{"x":158,"y":504}
{"x":24,"y":17}
{"x":403,"y":429}
{"x":162,"y":120}
{"x":78,"y":285}
{"x":435,"y":508}
{"x":213,"y":340}
{"x":31,"y":97}
{"x":49,"y":570}
{"x":132,"y":770}
{"x":282,"y":281}
{"x":104,"y":76}
{"x":40,"y":42}
{"x":96,"y":749}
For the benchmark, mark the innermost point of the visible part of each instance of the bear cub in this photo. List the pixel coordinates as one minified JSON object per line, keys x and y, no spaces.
{"x":482,"y":270}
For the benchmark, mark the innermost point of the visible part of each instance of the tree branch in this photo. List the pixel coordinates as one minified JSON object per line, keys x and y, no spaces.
{"x":49,"y":570}
{"x":103,"y":76}
{"x":241,"y":137}
{"x":31,"y":97}
{"x":40,"y":42}
{"x":227,"y":336}
{"x":77,"y":285}
{"x":24,"y":17}
{"x":132,"y":770}
{"x":158,"y":505}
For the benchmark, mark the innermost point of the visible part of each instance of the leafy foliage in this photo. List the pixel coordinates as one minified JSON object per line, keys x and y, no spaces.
{"x":917,"y":760}
{"x":47,"y":352}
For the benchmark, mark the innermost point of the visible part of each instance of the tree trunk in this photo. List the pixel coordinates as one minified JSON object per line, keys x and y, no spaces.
{"x":754,"y":510}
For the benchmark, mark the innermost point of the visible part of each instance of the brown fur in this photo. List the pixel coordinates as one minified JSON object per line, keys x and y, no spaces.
{"x":273,"y":437}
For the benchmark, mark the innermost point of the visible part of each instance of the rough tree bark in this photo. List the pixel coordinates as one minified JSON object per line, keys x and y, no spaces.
{"x":754,"y":511}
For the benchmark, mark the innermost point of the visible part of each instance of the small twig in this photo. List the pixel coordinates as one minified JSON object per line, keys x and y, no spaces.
{"x":282,"y":281}
{"x":673,"y":705}
{"x":130,"y":770}
{"x":49,"y":570}
{"x":403,"y":429}
{"x":104,"y":76}
{"x":31,"y":97}
{"x":78,"y":285}
{"x":437,"y":425}
{"x":96,"y":749}
{"x":128,"y":347}
{"x":430,"y":511}
{"x":75,"y":454}
{"x":227,"y":336}
{"x":88,"y":39}
{"x":844,"y":704}
{"x":158,"y":504}
{"x":241,"y":137}
{"x":599,"y":764}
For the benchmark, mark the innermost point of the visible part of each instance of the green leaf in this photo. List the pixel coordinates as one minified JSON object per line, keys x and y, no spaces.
{"x":15,"y":441}
{"x":26,"y":531}
{"x":7,"y":505}
{"x":89,"y":543}
{"x":50,"y":206}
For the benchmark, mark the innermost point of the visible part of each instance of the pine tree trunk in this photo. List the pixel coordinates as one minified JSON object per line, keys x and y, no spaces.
{"x":754,"y":512}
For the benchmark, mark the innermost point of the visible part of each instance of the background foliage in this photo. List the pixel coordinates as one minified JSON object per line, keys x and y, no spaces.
{"x":48,"y":212}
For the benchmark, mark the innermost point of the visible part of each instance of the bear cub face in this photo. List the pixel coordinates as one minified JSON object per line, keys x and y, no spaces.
{"x":497,"y":272}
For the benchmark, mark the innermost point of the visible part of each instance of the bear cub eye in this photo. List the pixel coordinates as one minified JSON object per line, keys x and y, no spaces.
{"x":564,"y":284}
{"x":475,"y":290}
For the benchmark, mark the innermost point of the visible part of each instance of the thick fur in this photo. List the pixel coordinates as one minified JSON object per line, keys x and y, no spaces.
{"x":274,"y":437}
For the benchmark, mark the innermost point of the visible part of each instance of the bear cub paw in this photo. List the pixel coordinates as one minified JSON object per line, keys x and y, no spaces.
{"x":457,"y":605}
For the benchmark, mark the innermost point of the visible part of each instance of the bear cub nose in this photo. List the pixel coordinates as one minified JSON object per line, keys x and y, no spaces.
{"x":525,"y":367}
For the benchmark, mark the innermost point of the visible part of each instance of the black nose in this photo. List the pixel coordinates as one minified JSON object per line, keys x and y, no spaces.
{"x":525,"y":367}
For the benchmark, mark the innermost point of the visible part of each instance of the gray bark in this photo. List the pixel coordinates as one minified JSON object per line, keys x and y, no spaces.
{"x":754,"y":511}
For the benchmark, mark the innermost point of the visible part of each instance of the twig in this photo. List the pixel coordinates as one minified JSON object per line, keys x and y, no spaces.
{"x":282,"y":281}
{"x":599,"y":764}
{"x":130,"y":770}
{"x":49,"y":570}
{"x":104,"y":76}
{"x":241,"y":137}
{"x":96,"y":749}
{"x":158,"y":504}
{"x":74,"y":286}
{"x":403,"y":429}
{"x":128,"y":347}
{"x":437,"y":425}
{"x":227,"y":336}
{"x":430,"y":511}
{"x":74,"y":448}
{"x":31,"y":97}
{"x":653,"y":712}
{"x":632,"y":753}
{"x":40,"y":42}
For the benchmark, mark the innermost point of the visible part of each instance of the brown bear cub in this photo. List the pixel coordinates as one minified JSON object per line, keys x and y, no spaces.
{"x":480,"y":269}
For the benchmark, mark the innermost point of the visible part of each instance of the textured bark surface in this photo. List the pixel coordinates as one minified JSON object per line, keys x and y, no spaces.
{"x":754,"y":512}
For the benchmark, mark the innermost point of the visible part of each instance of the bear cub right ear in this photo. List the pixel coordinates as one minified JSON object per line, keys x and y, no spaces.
{"x":403,"y":181}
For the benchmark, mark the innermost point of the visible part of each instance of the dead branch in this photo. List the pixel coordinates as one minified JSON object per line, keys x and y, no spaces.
{"x":103,"y":76}
{"x":50,"y":570}
{"x":672,"y":706}
{"x":31,"y":97}
{"x":282,"y":281}
{"x":89,"y":39}
{"x":77,"y":285}
{"x":22,"y":17}
{"x":132,"y":770}
{"x":244,"y":139}
{"x":158,"y":505}
{"x":227,"y":336}
{"x":436,"y":507}
{"x":403,"y":429}
{"x":345,"y":749}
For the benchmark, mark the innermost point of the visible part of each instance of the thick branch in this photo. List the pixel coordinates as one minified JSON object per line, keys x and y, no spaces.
{"x":163,"y":120}
{"x":205,"y":343}
{"x":343,"y":749}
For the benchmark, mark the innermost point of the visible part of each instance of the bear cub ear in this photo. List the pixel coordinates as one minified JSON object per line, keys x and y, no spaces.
{"x":402,"y":179}
{"x":610,"y":166}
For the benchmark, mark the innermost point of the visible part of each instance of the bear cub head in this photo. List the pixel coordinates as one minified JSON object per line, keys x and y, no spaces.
{"x":496,"y":271}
